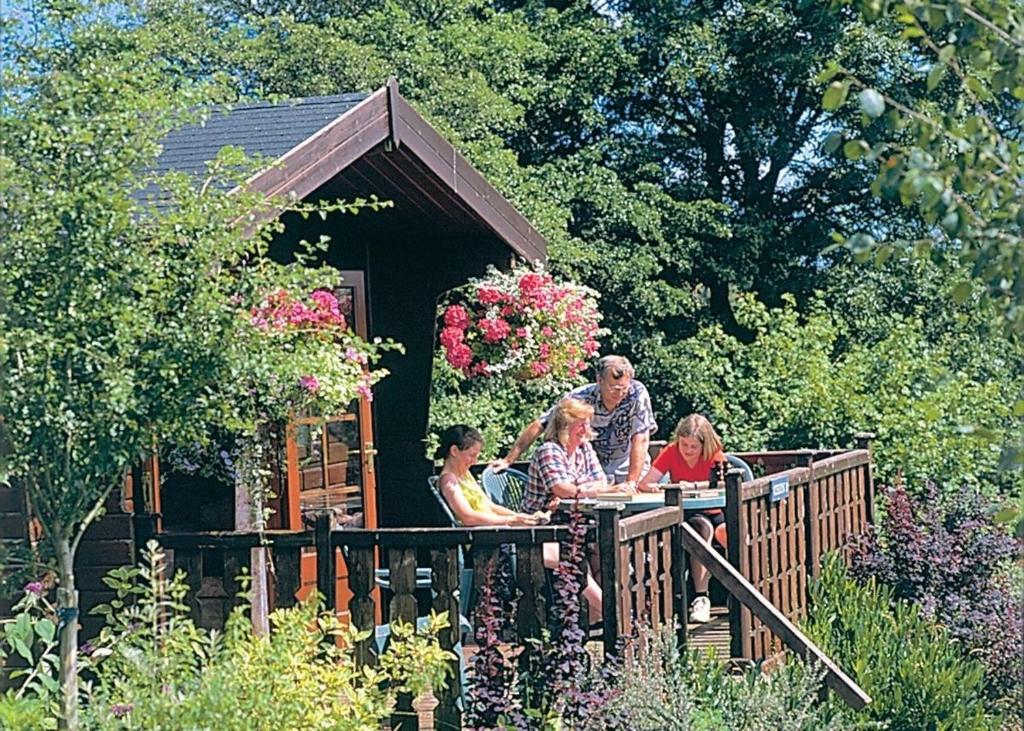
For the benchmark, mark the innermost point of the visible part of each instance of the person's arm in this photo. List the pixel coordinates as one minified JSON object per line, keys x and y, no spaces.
{"x":638,"y":447}
{"x":649,"y":482}
{"x":569,"y":491}
{"x":464,"y":512}
{"x":526,"y":438}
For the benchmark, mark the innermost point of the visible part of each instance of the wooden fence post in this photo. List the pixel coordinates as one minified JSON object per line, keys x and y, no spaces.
{"x":741,"y":641}
{"x":444,"y":566}
{"x":326,"y":562}
{"x":674,"y":498}
{"x":805,"y":458}
{"x":362,"y":606}
{"x":862,"y":440}
{"x":608,"y":548}
{"x":286,"y":566}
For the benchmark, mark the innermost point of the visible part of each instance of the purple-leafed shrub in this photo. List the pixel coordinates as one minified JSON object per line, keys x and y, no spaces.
{"x":546,"y":680}
{"x":956,"y":562}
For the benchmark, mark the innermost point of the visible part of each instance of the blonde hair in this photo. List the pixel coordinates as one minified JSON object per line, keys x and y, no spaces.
{"x":565,"y":413}
{"x":699,"y":428}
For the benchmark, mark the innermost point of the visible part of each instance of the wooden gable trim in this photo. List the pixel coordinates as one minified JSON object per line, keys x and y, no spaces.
{"x":386,"y":116}
{"x":326,"y":153}
{"x":418,"y":137}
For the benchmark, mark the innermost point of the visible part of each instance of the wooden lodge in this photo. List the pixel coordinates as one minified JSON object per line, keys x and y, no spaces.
{"x":447,"y":224}
{"x":367,"y":467}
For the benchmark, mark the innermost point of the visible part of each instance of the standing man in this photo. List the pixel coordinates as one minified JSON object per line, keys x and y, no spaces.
{"x":623,"y":421}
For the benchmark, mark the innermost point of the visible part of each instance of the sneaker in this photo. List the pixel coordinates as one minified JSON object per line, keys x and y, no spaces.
{"x":700,"y":610}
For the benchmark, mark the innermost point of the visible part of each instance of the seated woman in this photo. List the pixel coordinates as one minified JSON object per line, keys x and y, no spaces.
{"x":696,"y":449}
{"x":460,"y":449}
{"x":566,"y":466}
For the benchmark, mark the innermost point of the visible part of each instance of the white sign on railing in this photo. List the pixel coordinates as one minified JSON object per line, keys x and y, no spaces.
{"x":780,"y":488}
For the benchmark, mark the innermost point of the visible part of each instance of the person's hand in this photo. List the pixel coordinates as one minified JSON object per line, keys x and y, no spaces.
{"x":552,"y":505}
{"x":543,"y":517}
{"x":518,"y":520}
{"x":629,"y":487}
{"x":499,"y":465}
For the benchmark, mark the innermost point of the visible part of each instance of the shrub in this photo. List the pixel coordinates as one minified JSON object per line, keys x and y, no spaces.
{"x":665,"y":687}
{"x":152,"y":668}
{"x":28,"y":643}
{"x":950,"y":557}
{"x":917,"y":677}
{"x":941,"y":408}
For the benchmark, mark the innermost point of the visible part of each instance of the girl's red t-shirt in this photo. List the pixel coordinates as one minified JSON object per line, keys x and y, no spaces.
{"x":670,"y":461}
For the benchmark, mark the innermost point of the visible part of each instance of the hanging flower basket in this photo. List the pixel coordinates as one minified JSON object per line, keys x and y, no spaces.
{"x":522,"y":324}
{"x":313,"y":359}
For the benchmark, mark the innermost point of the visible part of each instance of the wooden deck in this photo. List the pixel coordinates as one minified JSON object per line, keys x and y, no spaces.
{"x":712,"y":635}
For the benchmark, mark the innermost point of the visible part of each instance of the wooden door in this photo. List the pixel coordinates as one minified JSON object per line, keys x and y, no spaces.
{"x":330,"y":462}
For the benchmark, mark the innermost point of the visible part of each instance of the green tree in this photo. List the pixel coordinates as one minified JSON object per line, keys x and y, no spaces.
{"x":124,"y":300}
{"x":955,"y":154}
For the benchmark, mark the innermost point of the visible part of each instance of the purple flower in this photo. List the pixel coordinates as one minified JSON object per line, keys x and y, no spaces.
{"x":310,"y":383}
{"x":119,"y":710}
{"x":35,"y":587}
{"x":87,"y":648}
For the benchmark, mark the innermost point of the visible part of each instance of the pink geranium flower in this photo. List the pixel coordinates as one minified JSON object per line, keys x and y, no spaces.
{"x":488,"y":295}
{"x":524,"y":323}
{"x":456,"y":316}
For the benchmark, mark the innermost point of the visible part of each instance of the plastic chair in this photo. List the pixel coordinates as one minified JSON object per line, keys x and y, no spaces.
{"x":734,"y":461}
{"x":465,"y":575}
{"x":506,"y":488}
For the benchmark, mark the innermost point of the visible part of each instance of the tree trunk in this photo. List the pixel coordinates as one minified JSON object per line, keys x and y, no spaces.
{"x":250,"y":490}
{"x":67,"y":608}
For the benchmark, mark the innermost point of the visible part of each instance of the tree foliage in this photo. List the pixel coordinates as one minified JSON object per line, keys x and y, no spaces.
{"x":955,"y":154}
{"x":124,"y":298}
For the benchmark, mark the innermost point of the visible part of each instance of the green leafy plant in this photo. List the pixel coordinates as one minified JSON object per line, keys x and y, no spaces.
{"x":666,"y":687}
{"x":152,"y":668}
{"x":939,"y":405}
{"x":916,"y":676}
{"x":28,"y":659}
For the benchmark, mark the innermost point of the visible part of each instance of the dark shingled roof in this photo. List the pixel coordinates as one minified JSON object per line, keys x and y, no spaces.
{"x":259,"y":129}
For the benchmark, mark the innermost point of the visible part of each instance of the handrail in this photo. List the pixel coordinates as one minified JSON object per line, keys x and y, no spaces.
{"x":644,"y":523}
{"x":385,"y":538}
{"x":236,"y":539}
{"x":790,"y":634}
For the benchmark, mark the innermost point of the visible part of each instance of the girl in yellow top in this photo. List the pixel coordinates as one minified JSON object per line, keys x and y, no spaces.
{"x":460,"y":448}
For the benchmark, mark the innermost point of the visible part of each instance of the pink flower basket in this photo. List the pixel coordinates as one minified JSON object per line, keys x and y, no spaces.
{"x":523,"y":324}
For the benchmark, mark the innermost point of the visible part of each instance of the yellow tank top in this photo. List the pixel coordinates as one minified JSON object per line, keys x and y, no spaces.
{"x":472,"y":492}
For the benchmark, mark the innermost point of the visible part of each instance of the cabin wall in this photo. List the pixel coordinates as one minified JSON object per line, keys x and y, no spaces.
{"x":13,"y":530}
{"x":407,"y":278}
{"x":108,"y":543}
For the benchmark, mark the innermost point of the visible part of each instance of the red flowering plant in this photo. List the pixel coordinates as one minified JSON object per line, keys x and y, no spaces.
{"x":521,"y":323}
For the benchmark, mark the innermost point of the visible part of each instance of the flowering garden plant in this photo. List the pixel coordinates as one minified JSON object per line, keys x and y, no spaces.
{"x":522,"y":323}
{"x":311,"y":358}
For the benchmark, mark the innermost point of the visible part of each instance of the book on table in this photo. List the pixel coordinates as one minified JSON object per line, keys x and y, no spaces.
{"x":689,"y":491}
{"x":619,"y":496}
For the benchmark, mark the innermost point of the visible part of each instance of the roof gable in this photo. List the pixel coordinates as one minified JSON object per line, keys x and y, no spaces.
{"x":331,"y":142}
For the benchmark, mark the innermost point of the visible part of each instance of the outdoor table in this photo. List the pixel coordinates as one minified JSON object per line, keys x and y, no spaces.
{"x":642,"y":501}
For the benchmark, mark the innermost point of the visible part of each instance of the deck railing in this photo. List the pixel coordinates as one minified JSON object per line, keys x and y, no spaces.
{"x":778,"y":544}
{"x":775,"y":548}
{"x":642,"y":557}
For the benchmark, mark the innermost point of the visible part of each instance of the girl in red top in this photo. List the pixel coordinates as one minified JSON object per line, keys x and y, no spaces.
{"x":690,"y":458}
